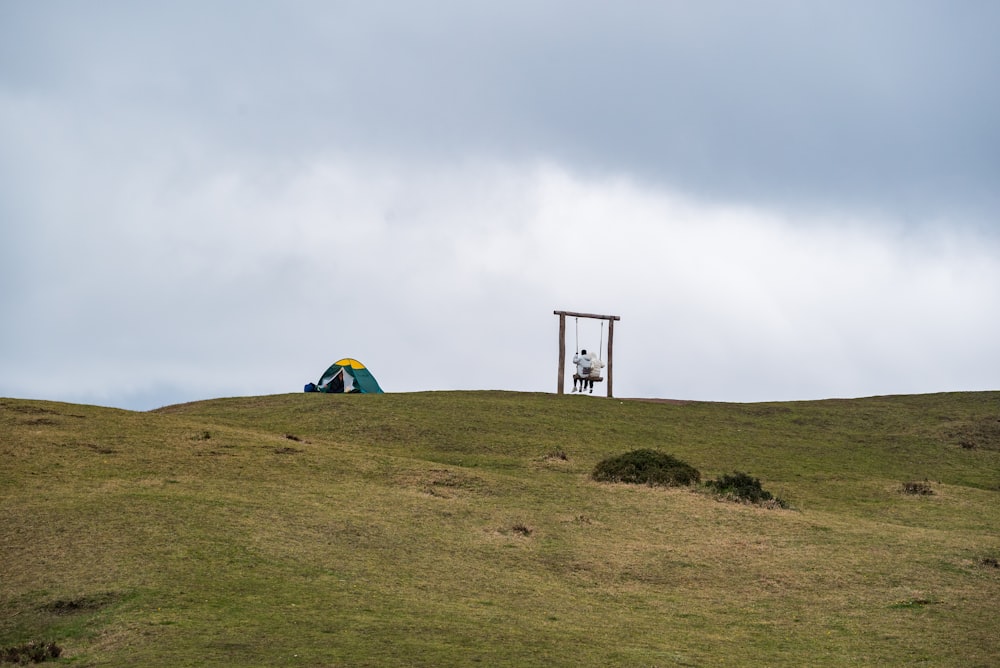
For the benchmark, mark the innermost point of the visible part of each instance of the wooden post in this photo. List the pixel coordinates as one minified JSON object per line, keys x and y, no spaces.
{"x":562,"y":345}
{"x":562,"y":352}
{"x":611,"y":348}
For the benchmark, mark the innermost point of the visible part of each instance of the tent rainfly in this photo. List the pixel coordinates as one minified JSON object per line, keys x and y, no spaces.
{"x":346,"y":375}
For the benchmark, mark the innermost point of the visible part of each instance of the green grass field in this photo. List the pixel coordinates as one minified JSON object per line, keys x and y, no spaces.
{"x":463,"y":528}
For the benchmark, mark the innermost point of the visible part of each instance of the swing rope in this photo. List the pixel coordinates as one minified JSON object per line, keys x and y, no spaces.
{"x":596,"y":354}
{"x":600,"y":347}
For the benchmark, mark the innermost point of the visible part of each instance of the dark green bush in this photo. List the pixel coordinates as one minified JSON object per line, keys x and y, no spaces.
{"x":646,"y":467}
{"x":745,"y":488}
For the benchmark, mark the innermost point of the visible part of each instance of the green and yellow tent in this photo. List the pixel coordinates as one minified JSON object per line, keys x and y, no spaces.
{"x":347,"y":375}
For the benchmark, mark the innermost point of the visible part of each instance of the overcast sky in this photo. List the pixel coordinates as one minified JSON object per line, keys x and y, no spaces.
{"x":781,"y":199}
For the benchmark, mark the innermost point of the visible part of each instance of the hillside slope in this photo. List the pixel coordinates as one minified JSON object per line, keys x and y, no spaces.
{"x":453,"y":528}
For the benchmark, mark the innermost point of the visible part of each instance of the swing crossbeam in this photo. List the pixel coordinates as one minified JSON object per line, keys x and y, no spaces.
{"x":562,"y":347}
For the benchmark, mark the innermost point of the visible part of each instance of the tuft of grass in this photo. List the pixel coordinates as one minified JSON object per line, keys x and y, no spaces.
{"x":79,"y":604}
{"x":911,"y":603}
{"x":521,"y":529}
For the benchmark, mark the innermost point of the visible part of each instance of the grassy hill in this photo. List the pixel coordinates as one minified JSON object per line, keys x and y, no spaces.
{"x":463,"y":528}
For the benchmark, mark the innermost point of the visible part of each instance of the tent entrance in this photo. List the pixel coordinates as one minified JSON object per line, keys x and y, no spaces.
{"x":338,"y":382}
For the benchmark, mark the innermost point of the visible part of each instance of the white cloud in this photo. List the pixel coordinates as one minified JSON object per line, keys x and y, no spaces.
{"x":251,"y":278}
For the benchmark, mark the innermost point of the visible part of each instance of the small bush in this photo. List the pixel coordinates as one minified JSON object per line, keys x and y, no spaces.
{"x":744,"y":488}
{"x":30,"y":652}
{"x":646,"y":467}
{"x":917,"y":487}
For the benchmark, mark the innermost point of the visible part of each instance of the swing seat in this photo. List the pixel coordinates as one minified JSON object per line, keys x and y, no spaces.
{"x":596,"y":379}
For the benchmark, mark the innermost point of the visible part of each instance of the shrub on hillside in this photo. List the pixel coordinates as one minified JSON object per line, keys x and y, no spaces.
{"x":917,"y":487}
{"x":744,"y":488}
{"x":646,"y":467}
{"x":30,"y":652}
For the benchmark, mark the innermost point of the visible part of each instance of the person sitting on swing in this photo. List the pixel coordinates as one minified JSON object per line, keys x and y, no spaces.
{"x":582,"y":361}
{"x":595,"y":370}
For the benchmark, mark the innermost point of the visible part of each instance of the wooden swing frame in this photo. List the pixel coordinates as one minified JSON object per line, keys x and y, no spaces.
{"x":562,"y":346}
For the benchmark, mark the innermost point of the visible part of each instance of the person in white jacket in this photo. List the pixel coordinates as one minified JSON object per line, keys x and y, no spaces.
{"x":582,"y":376}
{"x":595,"y":370}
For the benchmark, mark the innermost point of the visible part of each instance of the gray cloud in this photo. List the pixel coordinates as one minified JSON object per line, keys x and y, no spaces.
{"x":855,"y":104}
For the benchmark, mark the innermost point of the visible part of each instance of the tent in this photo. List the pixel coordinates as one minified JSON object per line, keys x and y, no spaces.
{"x":346,"y":375}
